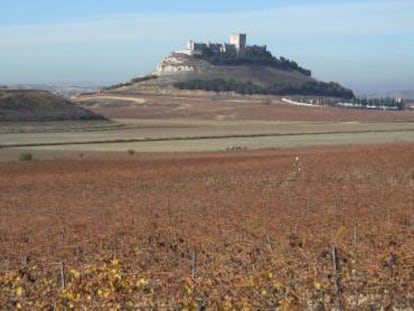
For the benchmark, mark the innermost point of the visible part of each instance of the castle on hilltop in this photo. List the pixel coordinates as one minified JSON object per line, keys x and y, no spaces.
{"x":238,"y":43}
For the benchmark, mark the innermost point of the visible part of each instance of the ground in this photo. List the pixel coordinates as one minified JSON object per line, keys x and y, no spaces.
{"x":261,"y":224}
{"x":218,"y":208}
{"x":210,"y":106}
{"x":206,"y":122}
{"x":35,"y":105}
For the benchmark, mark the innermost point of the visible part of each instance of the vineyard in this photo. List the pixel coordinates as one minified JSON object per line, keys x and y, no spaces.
{"x":306,"y":229}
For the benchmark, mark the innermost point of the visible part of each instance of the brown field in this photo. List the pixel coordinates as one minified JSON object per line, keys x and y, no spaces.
{"x":208,"y":106}
{"x":202,"y":122}
{"x":157,"y":135}
{"x":261,"y":223}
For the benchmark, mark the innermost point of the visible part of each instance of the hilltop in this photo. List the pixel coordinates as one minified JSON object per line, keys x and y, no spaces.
{"x":36,"y":105}
{"x":231,"y":67}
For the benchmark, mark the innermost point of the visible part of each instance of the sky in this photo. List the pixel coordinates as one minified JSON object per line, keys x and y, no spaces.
{"x":366,"y":45}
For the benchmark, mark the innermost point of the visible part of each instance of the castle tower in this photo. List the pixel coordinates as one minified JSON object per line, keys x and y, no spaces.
{"x":190,"y":45}
{"x":239,"y":40}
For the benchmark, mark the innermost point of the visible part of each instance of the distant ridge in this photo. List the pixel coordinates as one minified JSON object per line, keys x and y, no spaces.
{"x":36,"y":105}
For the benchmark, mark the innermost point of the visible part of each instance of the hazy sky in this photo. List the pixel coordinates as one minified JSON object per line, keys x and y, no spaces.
{"x":361,"y":44}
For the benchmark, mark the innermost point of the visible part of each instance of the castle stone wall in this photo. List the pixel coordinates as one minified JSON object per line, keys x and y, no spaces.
{"x":237,"y":42}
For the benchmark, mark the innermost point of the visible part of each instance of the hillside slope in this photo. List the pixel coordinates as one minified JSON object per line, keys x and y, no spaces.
{"x":180,"y":71}
{"x":35,"y":105}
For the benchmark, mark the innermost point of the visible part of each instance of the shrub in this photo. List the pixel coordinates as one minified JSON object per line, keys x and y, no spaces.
{"x":253,"y":55}
{"x":26,"y":156}
{"x":131,"y":151}
{"x":131,"y":82}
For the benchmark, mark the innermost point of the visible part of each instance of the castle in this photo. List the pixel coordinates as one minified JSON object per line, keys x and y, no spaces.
{"x":188,"y":59}
{"x":238,"y":42}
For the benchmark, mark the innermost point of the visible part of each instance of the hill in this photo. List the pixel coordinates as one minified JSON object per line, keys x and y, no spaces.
{"x":248,"y":70}
{"x":36,"y":105}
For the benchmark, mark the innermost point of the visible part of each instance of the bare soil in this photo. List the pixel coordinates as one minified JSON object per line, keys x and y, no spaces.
{"x":210,"y":106}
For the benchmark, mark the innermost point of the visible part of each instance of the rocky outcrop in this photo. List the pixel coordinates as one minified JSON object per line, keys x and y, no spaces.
{"x":178,"y":62}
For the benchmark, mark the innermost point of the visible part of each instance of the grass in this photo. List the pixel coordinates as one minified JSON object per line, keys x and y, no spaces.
{"x":186,"y":135}
{"x":25,"y":157}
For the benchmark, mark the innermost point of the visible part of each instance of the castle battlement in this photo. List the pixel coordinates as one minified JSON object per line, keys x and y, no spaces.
{"x":238,"y":42}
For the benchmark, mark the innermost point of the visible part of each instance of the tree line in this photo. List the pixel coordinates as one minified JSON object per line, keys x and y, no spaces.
{"x":131,"y":82}
{"x":380,"y":102}
{"x":315,"y":88}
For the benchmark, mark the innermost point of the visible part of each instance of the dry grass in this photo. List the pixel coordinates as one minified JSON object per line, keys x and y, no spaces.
{"x":192,"y":135}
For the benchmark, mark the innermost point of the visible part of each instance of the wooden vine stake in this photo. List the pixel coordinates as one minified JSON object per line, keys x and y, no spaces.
{"x":24,"y":261}
{"x":356,"y":254}
{"x":194,"y":266}
{"x":337,"y":285}
{"x":62,"y":274}
{"x":356,"y":234}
